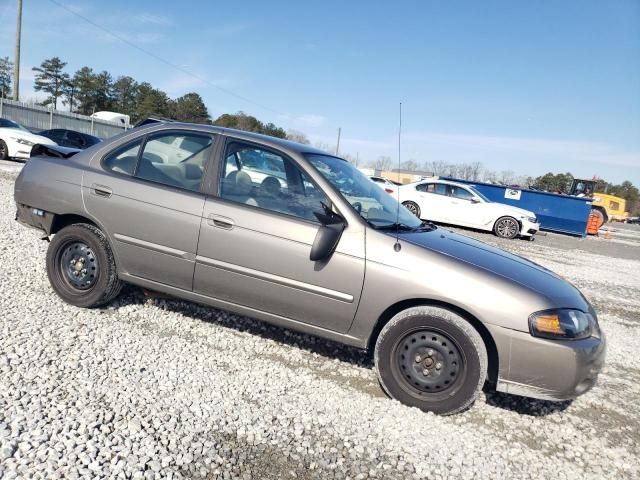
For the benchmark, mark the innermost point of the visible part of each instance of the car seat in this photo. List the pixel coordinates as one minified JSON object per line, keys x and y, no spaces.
{"x":237,"y":187}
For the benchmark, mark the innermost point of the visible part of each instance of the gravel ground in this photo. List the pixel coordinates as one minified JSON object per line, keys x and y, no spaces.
{"x":160,"y":388}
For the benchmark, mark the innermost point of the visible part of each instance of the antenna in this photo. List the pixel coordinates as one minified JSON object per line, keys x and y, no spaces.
{"x":397,"y":247}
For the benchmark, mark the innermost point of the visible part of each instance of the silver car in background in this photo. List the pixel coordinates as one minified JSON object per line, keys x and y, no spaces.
{"x":299,"y":238}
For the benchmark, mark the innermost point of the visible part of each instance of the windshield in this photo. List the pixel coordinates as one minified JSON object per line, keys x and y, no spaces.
{"x":4,"y":123}
{"x":477,"y":192}
{"x":372,"y":203}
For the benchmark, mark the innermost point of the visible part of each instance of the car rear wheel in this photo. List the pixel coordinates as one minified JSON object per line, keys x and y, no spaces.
{"x":81,"y":267}
{"x":4,"y":151}
{"x":431,"y":358}
{"x":506,"y":227}
{"x":412,"y":207}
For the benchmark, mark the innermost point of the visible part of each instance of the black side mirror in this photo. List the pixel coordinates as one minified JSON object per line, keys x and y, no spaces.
{"x":328,"y":234}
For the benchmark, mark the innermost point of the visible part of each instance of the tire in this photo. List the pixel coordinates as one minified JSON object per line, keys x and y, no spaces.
{"x":4,"y":151}
{"x":443,"y":344}
{"x":601,"y":218}
{"x":506,"y":227}
{"x":412,"y":207}
{"x":81,"y":266}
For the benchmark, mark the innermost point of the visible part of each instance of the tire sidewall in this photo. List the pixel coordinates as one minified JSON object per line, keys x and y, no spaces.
{"x":395,"y":385}
{"x":80,"y":298}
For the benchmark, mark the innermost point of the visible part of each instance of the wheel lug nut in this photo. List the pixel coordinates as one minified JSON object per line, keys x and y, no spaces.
{"x":84,"y":271}
{"x":418,"y":358}
{"x":438,"y":365}
{"x":425,"y":372}
{"x":73,"y":262}
{"x":430,"y":353}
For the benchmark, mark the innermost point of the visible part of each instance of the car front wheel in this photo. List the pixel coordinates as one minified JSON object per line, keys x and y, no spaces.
{"x":81,"y":267}
{"x":4,"y":151}
{"x":431,"y":358}
{"x":506,"y":227}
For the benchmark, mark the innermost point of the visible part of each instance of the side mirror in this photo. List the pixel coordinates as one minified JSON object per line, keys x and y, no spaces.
{"x":328,"y":234}
{"x":475,"y":200}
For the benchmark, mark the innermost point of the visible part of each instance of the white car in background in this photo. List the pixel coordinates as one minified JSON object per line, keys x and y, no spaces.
{"x":16,"y":141}
{"x":385,"y":184}
{"x":457,"y":204}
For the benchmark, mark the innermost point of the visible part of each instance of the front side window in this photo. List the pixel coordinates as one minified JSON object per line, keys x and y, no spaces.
{"x":461,"y":193}
{"x":176,"y":159}
{"x":372,"y":203}
{"x":261,"y":178}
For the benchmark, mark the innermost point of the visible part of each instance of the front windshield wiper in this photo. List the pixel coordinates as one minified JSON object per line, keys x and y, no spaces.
{"x":425,"y":226}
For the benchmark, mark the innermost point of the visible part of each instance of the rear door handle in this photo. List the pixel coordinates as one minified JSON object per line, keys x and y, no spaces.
{"x":101,"y":190}
{"x":220,"y":222}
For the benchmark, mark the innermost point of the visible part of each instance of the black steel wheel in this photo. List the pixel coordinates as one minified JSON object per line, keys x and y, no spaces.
{"x":506,"y":227}
{"x":412,"y":207}
{"x":431,"y":358}
{"x":4,"y":151}
{"x":81,"y":267}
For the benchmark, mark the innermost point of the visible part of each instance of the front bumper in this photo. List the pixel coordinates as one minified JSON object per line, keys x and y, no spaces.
{"x":18,"y":150}
{"x":528,"y":228}
{"x":547,"y":369}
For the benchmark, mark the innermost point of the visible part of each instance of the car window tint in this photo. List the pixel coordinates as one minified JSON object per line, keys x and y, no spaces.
{"x":441,"y":189}
{"x":123,"y":159}
{"x":175,"y":159}
{"x":462,"y":193}
{"x":265,"y":179}
{"x":422,"y":187}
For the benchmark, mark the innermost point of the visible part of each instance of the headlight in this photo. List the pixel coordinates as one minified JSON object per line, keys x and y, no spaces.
{"x":23,"y":141}
{"x":532,"y":219}
{"x":564,"y":323}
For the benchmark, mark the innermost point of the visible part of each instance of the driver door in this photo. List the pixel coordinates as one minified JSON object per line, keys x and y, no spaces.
{"x":256,"y":236}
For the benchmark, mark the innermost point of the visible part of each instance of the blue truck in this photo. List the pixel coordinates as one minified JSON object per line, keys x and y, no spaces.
{"x":556,"y":212}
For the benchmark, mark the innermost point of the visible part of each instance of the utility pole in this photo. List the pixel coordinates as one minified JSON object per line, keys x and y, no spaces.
{"x":16,"y":65}
{"x":338,"y":144}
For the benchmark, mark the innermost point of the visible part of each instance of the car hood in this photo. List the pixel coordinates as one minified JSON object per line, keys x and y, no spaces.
{"x":32,"y":137}
{"x":517,"y":269}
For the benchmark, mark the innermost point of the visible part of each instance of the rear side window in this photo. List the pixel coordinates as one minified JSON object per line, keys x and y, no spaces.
{"x":175,"y":159}
{"x":123,"y":159}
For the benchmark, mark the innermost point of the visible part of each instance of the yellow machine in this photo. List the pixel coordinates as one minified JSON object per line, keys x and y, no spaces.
{"x":606,"y":207}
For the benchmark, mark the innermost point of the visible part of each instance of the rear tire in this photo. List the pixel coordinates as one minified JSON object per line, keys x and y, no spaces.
{"x":601,"y":218}
{"x":431,"y":358}
{"x":4,"y":151}
{"x":506,"y":227}
{"x":412,"y":207}
{"x":81,"y":266}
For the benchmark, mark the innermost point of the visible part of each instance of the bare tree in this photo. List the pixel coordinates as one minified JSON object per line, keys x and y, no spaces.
{"x":507,"y":177}
{"x":383,"y":163}
{"x":410,"y":165}
{"x":296,"y":136}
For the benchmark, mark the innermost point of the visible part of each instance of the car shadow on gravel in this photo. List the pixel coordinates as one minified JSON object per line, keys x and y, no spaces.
{"x":524,"y":405}
{"x":132,"y":295}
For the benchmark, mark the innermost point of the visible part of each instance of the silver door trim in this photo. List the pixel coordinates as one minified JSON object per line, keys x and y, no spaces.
{"x":268,"y":277}
{"x":154,"y":246}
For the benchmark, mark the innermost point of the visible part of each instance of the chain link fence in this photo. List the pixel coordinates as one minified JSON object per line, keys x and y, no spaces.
{"x":37,"y":118}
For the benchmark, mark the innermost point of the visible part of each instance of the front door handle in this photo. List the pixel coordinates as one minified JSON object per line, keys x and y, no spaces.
{"x":101,"y":190}
{"x":220,"y":222}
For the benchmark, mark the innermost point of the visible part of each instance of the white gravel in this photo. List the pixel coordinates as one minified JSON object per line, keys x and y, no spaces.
{"x":157,"y":388}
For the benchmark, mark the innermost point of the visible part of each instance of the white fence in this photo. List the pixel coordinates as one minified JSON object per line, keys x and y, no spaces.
{"x":38,"y":118}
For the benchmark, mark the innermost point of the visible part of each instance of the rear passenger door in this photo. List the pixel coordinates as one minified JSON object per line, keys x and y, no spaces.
{"x":148,"y":199}
{"x":256,"y":238}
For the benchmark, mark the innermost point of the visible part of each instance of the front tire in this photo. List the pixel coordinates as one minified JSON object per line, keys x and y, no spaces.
{"x":506,"y":227}
{"x":431,"y":358}
{"x":412,"y":207}
{"x":4,"y":151}
{"x":81,"y":266}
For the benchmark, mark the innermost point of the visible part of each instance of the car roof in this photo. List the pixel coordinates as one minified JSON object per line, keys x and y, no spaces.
{"x":258,"y":137}
{"x":445,"y":182}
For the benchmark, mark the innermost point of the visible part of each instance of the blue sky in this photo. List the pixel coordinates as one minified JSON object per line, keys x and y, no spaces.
{"x":526,"y":86}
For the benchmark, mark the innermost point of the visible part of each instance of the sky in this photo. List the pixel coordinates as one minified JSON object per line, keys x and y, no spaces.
{"x":522,"y":86}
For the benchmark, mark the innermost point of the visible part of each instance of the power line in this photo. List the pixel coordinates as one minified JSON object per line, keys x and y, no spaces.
{"x":165,"y":61}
